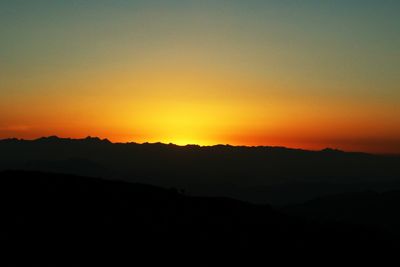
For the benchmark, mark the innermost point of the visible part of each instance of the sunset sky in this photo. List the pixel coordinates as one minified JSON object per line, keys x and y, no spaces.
{"x":305,"y":74}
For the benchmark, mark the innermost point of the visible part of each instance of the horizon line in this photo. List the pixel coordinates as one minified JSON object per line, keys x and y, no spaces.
{"x":89,"y":137}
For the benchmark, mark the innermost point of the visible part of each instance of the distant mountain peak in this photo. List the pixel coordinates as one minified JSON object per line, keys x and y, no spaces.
{"x":332,"y":150}
{"x":56,"y":139}
{"x":48,"y":138}
{"x":96,"y":139}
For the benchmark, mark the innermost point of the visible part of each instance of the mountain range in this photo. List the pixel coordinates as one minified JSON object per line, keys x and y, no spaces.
{"x":273,"y":175}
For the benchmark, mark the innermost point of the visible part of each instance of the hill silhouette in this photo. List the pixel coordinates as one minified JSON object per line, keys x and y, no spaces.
{"x":377,"y":209}
{"x":66,"y":220}
{"x":275,"y":175}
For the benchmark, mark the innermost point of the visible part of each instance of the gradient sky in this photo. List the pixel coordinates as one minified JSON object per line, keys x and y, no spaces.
{"x":308,"y":74}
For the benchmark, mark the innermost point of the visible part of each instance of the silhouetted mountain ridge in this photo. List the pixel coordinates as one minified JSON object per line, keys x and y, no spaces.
{"x":91,"y":140}
{"x":260,"y":174}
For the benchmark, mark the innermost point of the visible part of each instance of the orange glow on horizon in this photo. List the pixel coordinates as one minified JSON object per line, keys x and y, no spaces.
{"x":204,"y":72}
{"x":194,"y":106}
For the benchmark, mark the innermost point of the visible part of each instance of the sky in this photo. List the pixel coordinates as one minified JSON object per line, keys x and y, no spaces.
{"x":303,"y":74}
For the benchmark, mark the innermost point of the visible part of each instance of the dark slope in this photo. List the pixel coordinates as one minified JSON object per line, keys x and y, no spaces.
{"x":370,"y":208}
{"x":77,"y":221}
{"x":260,"y":174}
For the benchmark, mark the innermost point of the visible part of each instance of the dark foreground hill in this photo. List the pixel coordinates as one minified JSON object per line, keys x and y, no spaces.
{"x":65,"y":220}
{"x":273,"y":175}
{"x":376,"y":209}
